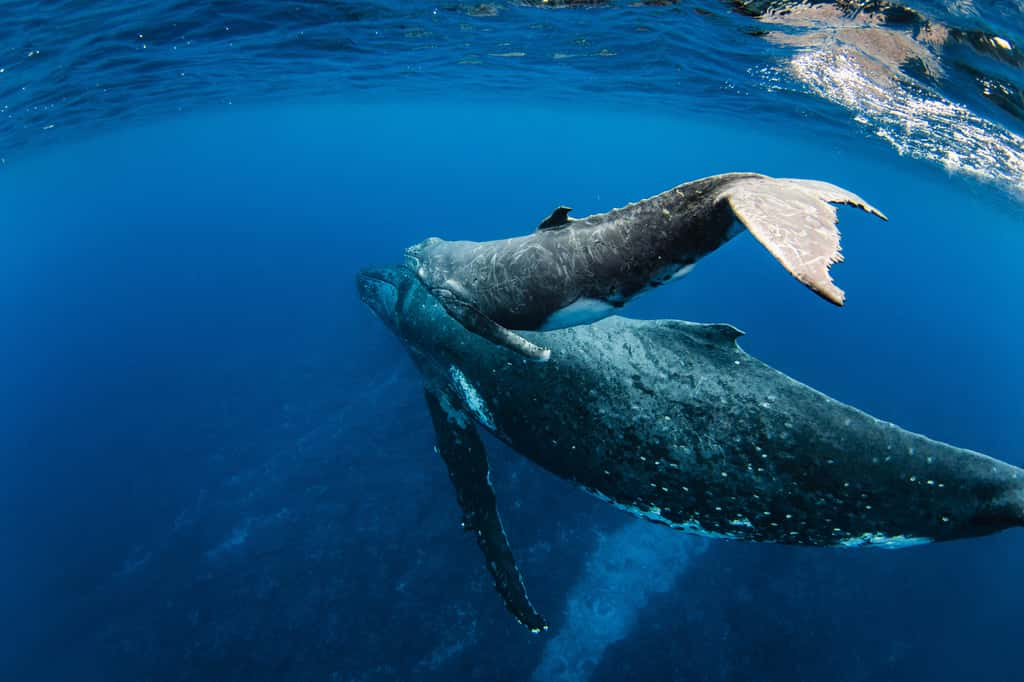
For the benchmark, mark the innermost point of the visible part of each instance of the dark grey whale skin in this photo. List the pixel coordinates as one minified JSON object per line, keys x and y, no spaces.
{"x":673,"y":421}
{"x":609,"y":258}
{"x":519,"y":282}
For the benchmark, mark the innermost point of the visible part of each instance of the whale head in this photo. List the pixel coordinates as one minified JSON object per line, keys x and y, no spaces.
{"x":419,"y":258}
{"x":383,"y":290}
{"x":398,"y":298}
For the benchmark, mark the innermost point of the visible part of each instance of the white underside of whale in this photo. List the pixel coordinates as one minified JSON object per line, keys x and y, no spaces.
{"x":742,"y":524}
{"x":883,"y":541}
{"x":587,"y":310}
{"x":580,"y":311}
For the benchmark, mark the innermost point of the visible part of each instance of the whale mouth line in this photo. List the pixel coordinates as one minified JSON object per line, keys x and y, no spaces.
{"x":378,"y":275}
{"x":380,"y":289}
{"x":370,"y":277}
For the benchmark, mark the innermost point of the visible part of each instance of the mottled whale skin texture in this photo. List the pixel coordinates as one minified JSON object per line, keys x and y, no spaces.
{"x":571,"y":272}
{"x":674,"y":422}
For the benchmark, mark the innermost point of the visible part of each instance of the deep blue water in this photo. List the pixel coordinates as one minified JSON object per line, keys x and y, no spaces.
{"x":216,"y":461}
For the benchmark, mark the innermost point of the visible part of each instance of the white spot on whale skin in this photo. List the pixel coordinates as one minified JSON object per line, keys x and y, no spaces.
{"x":883,"y":541}
{"x":471,"y":398}
{"x":580,"y":311}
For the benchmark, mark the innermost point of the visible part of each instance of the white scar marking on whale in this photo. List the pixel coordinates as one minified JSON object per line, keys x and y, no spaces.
{"x":471,"y":398}
{"x":883,"y":541}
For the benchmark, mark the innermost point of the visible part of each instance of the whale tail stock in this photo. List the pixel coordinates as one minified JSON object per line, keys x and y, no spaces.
{"x":795,"y":221}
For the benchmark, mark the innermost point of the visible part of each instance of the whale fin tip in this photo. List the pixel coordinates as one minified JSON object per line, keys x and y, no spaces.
{"x":470,"y":317}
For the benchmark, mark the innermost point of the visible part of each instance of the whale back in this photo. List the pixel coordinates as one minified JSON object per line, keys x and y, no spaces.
{"x":675,"y":422}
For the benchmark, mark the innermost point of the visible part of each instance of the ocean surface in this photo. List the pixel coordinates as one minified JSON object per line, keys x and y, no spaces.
{"x":216,"y":463}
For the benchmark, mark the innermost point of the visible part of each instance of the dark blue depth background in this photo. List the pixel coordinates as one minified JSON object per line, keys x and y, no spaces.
{"x":216,"y":463}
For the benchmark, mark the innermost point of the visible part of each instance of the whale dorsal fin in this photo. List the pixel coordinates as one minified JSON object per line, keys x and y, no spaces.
{"x":463,"y":452}
{"x":558,"y":219}
{"x":685,"y":335}
{"x":471,"y":318}
{"x":795,"y":221}
{"x":714,"y":333}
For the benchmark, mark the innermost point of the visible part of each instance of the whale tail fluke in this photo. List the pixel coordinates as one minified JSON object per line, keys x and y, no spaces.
{"x":796,"y":222}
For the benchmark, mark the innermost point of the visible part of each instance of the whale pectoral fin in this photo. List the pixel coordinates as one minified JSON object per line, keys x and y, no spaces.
{"x":558,"y":219}
{"x":795,"y":221}
{"x":475,"y":321}
{"x":463,"y":452}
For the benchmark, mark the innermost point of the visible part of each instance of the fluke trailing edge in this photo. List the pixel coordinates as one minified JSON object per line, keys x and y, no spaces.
{"x":672,"y":421}
{"x":570,"y":272}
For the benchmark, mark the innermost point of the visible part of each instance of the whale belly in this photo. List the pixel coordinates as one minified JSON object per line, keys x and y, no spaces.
{"x":581,"y":311}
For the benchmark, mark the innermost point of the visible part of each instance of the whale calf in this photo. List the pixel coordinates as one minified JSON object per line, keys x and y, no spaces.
{"x":571,"y":272}
{"x":673,"y":422}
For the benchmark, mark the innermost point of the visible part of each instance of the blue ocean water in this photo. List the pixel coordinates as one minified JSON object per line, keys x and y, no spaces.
{"x":217,"y":464}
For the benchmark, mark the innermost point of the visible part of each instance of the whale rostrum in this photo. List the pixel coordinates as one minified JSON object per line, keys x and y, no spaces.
{"x":673,"y":422}
{"x":571,"y":272}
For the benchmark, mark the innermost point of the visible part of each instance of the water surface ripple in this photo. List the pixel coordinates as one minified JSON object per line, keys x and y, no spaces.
{"x":939,"y":80}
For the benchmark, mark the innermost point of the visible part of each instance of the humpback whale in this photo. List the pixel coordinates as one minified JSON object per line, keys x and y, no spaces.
{"x":571,"y":272}
{"x":673,"y":422}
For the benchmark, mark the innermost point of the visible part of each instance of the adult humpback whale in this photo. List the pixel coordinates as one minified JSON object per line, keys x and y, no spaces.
{"x":673,"y":422}
{"x":570,"y":271}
